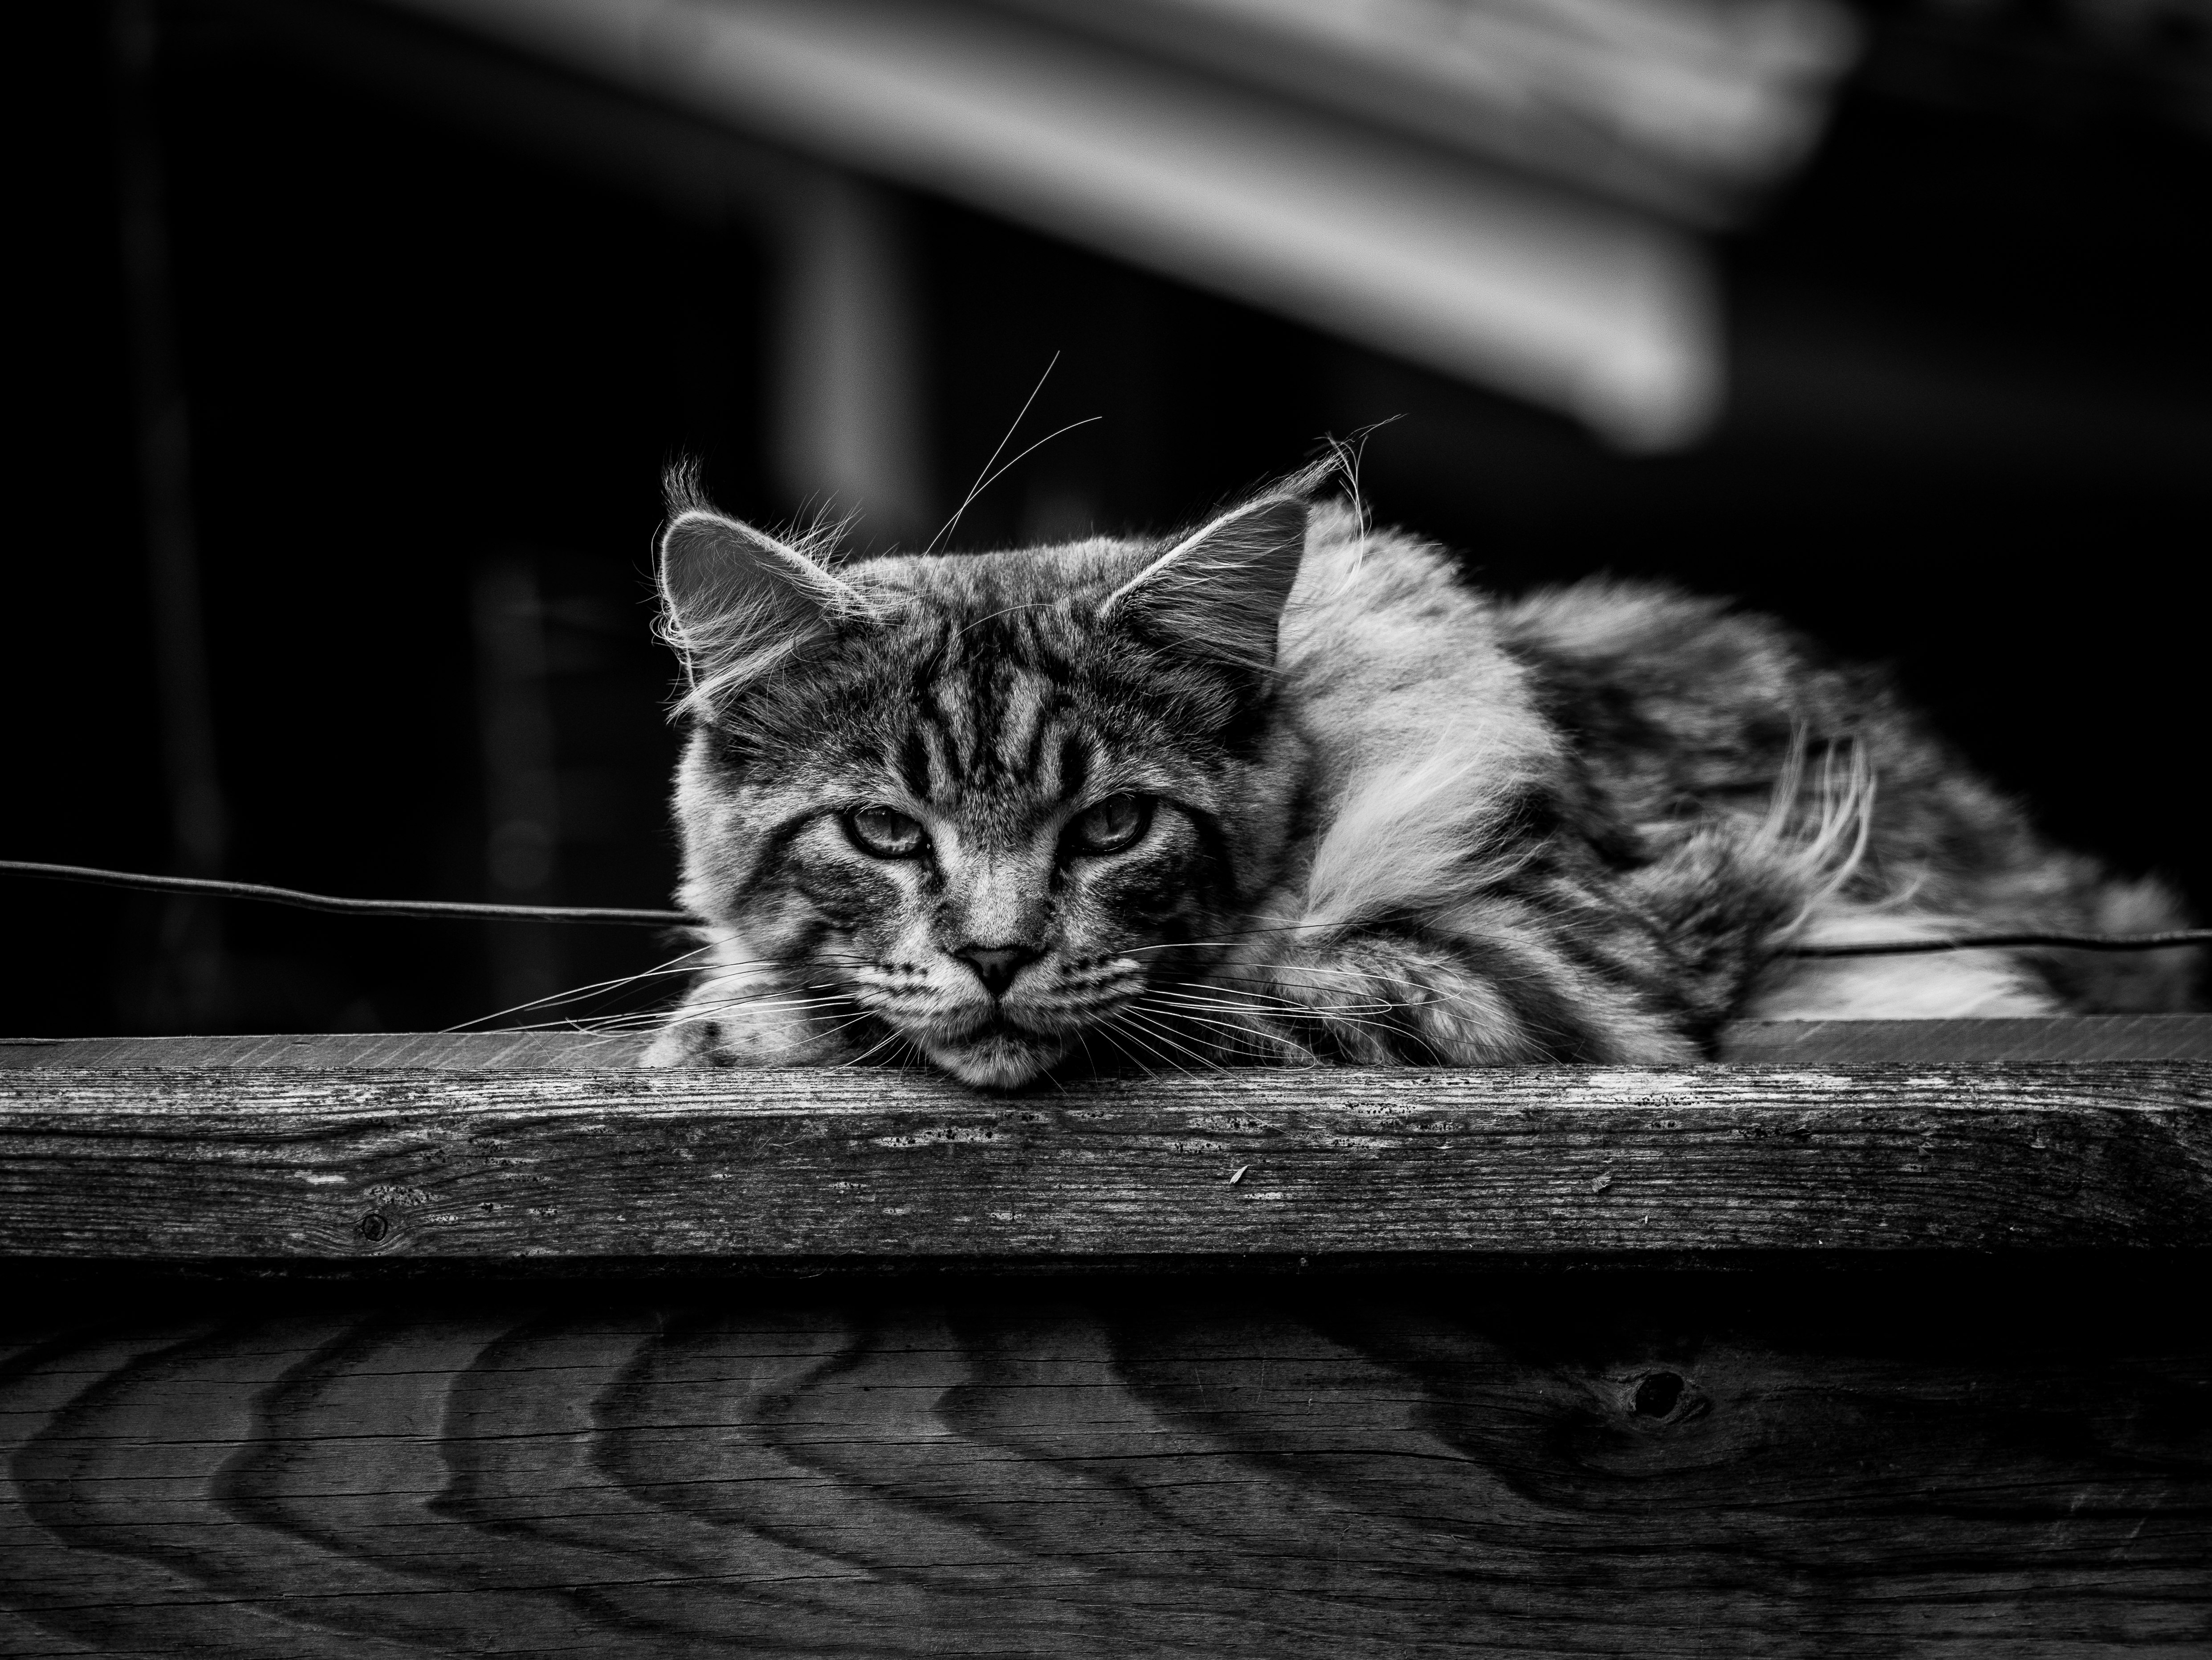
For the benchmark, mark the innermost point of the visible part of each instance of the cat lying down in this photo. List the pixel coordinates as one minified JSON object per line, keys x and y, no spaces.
{"x":1284,"y":789}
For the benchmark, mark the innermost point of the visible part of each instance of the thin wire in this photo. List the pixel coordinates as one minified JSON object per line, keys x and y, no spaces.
{"x":442,"y":908}
{"x":420,"y":908}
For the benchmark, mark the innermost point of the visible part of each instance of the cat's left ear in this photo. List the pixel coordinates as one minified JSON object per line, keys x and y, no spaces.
{"x":1221,"y":589}
{"x":736,"y":601}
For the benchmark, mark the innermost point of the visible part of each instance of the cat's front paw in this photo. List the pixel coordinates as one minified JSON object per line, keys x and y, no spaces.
{"x":1295,"y":1005}
{"x":691,"y":1043}
{"x":715,"y":1037}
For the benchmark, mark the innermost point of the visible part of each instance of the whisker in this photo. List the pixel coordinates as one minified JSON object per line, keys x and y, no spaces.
{"x":1115,"y":1031}
{"x":1245,"y":1031}
{"x":1004,"y":611}
{"x":888,"y":1040}
{"x":578,"y":992}
{"x":984,"y":477}
{"x":1032,"y":449}
{"x":1260,"y":975}
{"x":1272,"y":1003}
{"x":1235,"y":939}
{"x":1350,"y":1015}
{"x":753,"y":999}
{"x":705,"y":974}
{"x":1166,"y":1034}
{"x":797,"y":1038}
{"x":618,"y":1026}
{"x":772,"y":1001}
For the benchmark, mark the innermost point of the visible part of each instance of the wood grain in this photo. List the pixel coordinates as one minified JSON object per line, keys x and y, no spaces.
{"x":829,"y":1167}
{"x":1797,"y":1042}
{"x":413,"y":1051}
{"x":2082,"y":1037}
{"x":1540,"y":1465}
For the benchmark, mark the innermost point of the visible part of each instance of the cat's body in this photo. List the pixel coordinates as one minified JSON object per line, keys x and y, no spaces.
{"x":1287,"y":789}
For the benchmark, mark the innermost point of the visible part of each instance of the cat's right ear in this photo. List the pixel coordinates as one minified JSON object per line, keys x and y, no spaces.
{"x":736,"y":602}
{"x":1221,"y":590}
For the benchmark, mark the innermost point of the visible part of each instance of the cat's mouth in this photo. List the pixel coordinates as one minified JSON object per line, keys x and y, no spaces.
{"x":997,"y":1049}
{"x":1000,"y":1055}
{"x":994,"y":1051}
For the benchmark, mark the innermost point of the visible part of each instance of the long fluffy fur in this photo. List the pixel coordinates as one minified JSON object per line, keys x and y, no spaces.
{"x":1392,"y":818}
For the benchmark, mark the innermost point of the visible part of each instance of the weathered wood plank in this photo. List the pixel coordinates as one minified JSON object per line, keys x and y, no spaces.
{"x":434,"y":1051}
{"x":1813,"y":1465}
{"x":1814,"y":1042}
{"x":796,"y":1167}
{"x":2083,"y":1037}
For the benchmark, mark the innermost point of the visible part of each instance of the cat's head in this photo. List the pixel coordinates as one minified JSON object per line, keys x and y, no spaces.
{"x":985,"y":803}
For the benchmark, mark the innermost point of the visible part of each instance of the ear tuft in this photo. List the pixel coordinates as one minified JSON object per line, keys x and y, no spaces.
{"x":735,"y":601}
{"x":1222,"y":588}
{"x":681,"y":489}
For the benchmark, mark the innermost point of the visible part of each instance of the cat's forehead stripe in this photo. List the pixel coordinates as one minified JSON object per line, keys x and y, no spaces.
{"x":1019,"y":724}
{"x":915,"y":764}
{"x":955,"y":712}
{"x":995,"y":726}
{"x":1073,"y":766}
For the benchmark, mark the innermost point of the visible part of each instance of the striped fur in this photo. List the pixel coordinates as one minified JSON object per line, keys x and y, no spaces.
{"x":1389,"y":819}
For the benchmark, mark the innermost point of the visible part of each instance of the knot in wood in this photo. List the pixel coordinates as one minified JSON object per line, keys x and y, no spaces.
{"x":1656,"y":1396}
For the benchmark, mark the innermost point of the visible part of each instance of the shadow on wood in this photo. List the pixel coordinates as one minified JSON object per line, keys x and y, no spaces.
{"x":1802,"y":1463}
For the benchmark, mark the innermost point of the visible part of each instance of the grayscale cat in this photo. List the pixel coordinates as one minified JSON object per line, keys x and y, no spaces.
{"x":1284,"y":789}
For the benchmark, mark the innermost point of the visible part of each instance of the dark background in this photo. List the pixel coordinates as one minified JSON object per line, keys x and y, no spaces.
{"x":1970,"y":432}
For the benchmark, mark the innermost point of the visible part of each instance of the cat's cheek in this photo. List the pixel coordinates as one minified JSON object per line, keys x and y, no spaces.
{"x":1144,"y":892}
{"x":856,"y":897}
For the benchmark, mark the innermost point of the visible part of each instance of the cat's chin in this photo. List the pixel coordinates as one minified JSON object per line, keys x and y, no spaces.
{"x":998,"y":1061}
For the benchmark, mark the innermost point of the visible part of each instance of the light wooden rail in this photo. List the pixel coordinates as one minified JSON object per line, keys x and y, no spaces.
{"x":769,"y":1167}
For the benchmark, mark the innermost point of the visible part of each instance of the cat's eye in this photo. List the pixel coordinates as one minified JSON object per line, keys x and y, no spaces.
{"x":1109,"y":826}
{"x":884,"y":831}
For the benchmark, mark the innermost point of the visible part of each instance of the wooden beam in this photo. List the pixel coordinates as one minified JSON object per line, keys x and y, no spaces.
{"x":2082,"y":1037}
{"x":1799,"y":1043}
{"x":1684,"y":1465}
{"x":792,"y":1167}
{"x":434,"y":1051}
{"x":1962,"y":1452}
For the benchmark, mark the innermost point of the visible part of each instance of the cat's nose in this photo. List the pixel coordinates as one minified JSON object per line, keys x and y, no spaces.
{"x":996,"y":966}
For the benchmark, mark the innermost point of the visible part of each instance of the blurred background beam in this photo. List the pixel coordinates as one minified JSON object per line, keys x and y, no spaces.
{"x":1694,"y":108}
{"x":1575,"y":303}
{"x":850,"y":420}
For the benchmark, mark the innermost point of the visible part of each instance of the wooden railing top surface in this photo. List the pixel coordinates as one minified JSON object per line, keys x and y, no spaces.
{"x":2083,"y":1039}
{"x":547,"y":1148}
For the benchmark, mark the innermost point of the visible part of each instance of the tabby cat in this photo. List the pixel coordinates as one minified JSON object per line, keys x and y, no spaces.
{"x":1284,"y":789}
